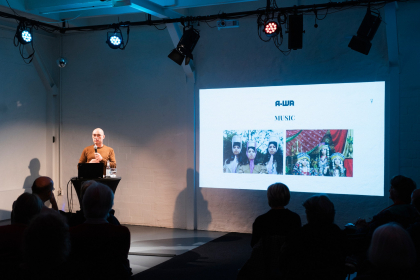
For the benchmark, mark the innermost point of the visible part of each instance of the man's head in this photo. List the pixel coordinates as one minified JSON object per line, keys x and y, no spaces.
{"x":401,"y":189}
{"x":415,"y":199}
{"x":278,"y":195}
{"x":42,"y":187}
{"x":46,"y":243}
{"x":84,"y":187}
{"x":25,"y":208}
{"x":98,"y":137}
{"x":97,"y":201}
{"x":391,"y":248}
{"x":319,"y":210}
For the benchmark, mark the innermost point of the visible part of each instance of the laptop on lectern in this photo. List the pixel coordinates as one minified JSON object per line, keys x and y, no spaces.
{"x":90,"y":170}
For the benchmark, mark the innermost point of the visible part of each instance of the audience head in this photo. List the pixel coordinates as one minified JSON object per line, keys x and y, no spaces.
{"x":278,"y":195}
{"x":46,"y":242}
{"x":97,"y":201}
{"x":391,"y":248}
{"x":401,"y":189}
{"x":84,"y":187}
{"x":25,"y":208}
{"x":319,"y":210}
{"x":415,"y":199}
{"x":42,"y":187}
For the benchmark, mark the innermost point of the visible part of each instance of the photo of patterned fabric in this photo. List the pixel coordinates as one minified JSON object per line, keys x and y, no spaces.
{"x":320,"y":152}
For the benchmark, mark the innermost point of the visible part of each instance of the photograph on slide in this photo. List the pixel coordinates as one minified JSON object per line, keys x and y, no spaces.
{"x":320,"y":152}
{"x":253,"y":152}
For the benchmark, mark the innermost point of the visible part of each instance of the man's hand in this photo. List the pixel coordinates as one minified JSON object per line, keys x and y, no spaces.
{"x":98,"y":157}
{"x":94,"y":161}
{"x":53,"y":201}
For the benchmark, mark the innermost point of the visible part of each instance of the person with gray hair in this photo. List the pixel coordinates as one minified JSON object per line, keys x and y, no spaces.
{"x":391,"y":254}
{"x":100,"y":249}
{"x":79,"y":217}
{"x":318,"y":249}
{"x":278,"y":220}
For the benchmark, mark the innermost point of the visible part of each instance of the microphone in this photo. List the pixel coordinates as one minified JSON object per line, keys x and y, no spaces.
{"x":96,"y":148}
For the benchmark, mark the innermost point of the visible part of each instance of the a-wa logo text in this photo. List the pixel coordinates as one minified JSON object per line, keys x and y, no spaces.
{"x":285,"y":103}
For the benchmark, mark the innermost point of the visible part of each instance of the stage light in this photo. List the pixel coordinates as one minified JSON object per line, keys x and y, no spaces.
{"x":114,"y":39}
{"x":24,"y":34}
{"x":367,"y":30}
{"x":185,"y":46}
{"x":295,"y":32}
{"x":271,"y":29}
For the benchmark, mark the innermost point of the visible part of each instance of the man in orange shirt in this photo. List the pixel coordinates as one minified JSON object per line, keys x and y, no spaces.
{"x":103,"y":154}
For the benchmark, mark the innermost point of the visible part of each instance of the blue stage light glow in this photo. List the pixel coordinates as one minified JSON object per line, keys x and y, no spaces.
{"x":26,"y":36}
{"x":115,"y":40}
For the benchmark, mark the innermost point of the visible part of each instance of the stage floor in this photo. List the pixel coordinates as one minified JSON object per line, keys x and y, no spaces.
{"x":151,"y":246}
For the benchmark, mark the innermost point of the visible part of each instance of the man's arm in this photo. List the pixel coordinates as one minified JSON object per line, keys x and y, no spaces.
{"x":83,"y":157}
{"x":53,"y":202}
{"x":112,"y":161}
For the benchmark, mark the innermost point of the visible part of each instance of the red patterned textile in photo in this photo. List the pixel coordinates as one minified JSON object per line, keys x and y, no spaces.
{"x":339,"y":139}
{"x":308,"y":139}
{"x":348,"y":165}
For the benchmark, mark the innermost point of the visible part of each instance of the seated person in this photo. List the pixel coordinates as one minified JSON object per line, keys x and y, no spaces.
{"x":46,"y":247}
{"x":279,"y":220}
{"x":391,"y":254}
{"x":318,"y":249}
{"x":269,"y":232}
{"x":99,"y":249}
{"x":24,"y":208}
{"x":79,"y":217}
{"x":43,"y":188}
{"x":400,"y":211}
{"x":414,"y":229}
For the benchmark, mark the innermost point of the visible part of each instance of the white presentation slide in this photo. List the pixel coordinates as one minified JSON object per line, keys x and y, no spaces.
{"x":326,"y":138}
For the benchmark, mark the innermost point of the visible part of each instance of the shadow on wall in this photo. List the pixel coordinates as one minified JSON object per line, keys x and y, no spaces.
{"x":34,"y":167}
{"x":185,"y":208}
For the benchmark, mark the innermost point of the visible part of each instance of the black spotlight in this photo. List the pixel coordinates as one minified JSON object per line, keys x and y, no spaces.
{"x":24,"y":34}
{"x":367,"y":30}
{"x":295,"y":32}
{"x":185,"y":46}
{"x":114,"y":39}
{"x":271,"y":29}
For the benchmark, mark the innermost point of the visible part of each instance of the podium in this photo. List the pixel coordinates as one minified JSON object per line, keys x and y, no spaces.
{"x":110,"y":182}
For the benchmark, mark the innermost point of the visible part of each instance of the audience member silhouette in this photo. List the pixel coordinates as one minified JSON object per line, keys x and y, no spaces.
{"x":79,"y":217}
{"x":46,"y":246}
{"x":414,"y":229}
{"x":318,"y":249}
{"x":43,"y":187}
{"x":278,"y":220}
{"x":391,"y":254}
{"x":99,"y":249}
{"x":23,"y":210}
{"x":269,"y":232}
{"x":400,"y":211}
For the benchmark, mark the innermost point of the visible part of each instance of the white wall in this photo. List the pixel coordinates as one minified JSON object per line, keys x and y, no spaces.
{"x":140,"y":98}
{"x":25,"y":142}
{"x":409,"y":60}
